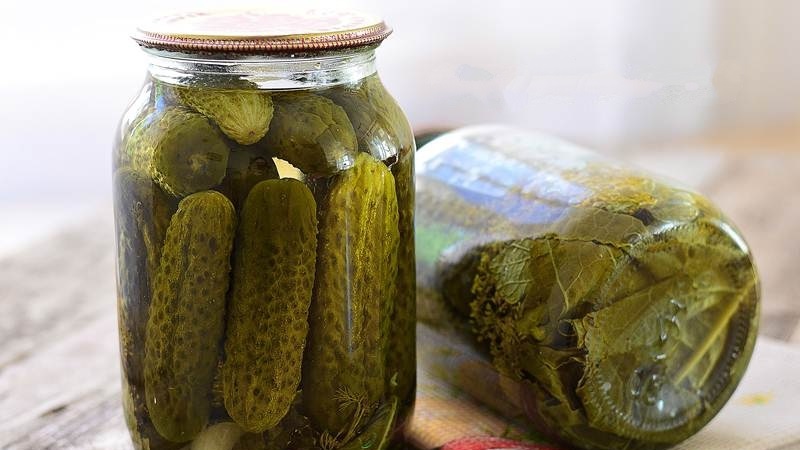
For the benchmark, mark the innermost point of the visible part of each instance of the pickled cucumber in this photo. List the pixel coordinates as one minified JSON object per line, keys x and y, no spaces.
{"x":312,"y":133}
{"x":136,"y":151}
{"x":179,"y":149}
{"x":388,"y":108}
{"x":293,"y":432}
{"x":247,"y":166}
{"x":243,"y":115}
{"x":143,"y":433}
{"x":401,"y":353}
{"x":381,"y":127}
{"x":187,"y":315}
{"x":383,"y":131}
{"x":273,"y":278}
{"x":141,"y":212}
{"x":189,"y":154}
{"x":344,"y":367}
{"x":133,"y":273}
{"x":195,"y":134}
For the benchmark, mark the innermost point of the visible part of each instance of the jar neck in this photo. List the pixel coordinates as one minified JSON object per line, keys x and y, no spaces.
{"x":265,"y":71}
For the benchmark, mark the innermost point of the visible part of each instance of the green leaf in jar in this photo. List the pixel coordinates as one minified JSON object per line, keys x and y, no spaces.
{"x":669,"y":341}
{"x":621,"y":335}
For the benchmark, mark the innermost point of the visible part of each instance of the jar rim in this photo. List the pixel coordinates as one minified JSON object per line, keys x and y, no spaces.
{"x":262,"y":31}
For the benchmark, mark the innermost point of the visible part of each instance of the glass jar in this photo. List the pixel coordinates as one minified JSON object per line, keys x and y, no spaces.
{"x":264,"y":202}
{"x":606,"y":308}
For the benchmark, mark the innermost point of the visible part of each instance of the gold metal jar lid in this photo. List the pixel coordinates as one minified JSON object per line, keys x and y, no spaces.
{"x":262,"y":31}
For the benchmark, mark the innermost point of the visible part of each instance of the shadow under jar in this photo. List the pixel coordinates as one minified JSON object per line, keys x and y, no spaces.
{"x":264,"y":201}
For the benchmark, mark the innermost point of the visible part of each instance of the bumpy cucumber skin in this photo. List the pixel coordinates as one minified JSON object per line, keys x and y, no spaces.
{"x":353,"y":293}
{"x":380,"y":125}
{"x":243,"y":115}
{"x":401,"y":353}
{"x":141,"y":211}
{"x":187,"y":315}
{"x":312,"y":133}
{"x":273,"y":278}
{"x":293,"y":432}
{"x":179,"y":148}
{"x":135,"y":266}
{"x":382,"y":130}
{"x":143,"y":434}
{"x":189,"y":153}
{"x":133,"y":151}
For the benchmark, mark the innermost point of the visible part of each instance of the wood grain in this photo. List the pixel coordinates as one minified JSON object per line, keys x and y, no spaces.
{"x":59,"y":369}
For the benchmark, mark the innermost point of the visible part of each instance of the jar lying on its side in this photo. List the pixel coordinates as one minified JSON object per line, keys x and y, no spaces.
{"x":613,"y":310}
{"x":264,"y":198}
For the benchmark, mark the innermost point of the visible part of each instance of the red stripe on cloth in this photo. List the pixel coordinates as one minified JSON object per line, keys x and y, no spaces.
{"x":492,"y":443}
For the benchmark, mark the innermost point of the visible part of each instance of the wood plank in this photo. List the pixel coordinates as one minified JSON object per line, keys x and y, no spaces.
{"x":59,"y":363}
{"x":49,"y":289}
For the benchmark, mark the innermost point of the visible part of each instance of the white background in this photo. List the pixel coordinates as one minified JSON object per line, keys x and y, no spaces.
{"x":609,"y":74}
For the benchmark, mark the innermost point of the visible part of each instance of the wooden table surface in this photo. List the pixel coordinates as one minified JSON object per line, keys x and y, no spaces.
{"x":59,"y":369}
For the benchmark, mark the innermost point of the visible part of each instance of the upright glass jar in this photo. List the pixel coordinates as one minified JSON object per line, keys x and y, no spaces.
{"x":264,"y":202}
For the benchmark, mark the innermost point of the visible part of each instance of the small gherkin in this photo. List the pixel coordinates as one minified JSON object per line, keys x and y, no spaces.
{"x":344,"y":366}
{"x":187,"y":315}
{"x":401,"y":358}
{"x":273,"y":277}
{"x":243,"y":115}
{"x":381,"y":127}
{"x":136,"y":264}
{"x":189,"y":154}
{"x":136,"y":151}
{"x":142,"y":213}
{"x":179,"y":148}
{"x":137,"y":419}
{"x":312,"y":133}
{"x":383,"y":131}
